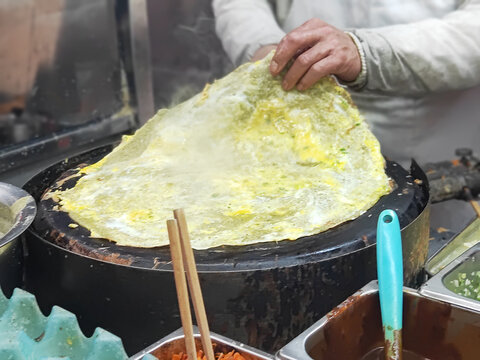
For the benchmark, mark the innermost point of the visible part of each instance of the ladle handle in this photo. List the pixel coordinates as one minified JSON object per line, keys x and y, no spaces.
{"x":390,"y":281}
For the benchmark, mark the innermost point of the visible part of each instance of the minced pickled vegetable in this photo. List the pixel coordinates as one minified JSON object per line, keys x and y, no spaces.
{"x":232,"y":355}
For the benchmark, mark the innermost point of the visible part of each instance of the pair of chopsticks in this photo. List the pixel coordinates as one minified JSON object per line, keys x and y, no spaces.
{"x":184,"y":261}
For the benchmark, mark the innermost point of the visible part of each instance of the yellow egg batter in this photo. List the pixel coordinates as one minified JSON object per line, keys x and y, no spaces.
{"x":247,"y":161}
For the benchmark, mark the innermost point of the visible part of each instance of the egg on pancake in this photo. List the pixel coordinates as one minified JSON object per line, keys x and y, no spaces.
{"x":248,"y":161}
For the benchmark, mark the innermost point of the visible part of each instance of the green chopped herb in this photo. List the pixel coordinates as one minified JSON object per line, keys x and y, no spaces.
{"x":466,"y":284}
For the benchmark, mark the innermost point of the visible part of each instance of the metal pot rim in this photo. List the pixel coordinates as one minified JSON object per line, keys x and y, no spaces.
{"x":327,"y":245}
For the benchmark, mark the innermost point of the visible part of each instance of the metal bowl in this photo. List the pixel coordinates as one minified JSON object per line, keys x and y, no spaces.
{"x":18,"y":208}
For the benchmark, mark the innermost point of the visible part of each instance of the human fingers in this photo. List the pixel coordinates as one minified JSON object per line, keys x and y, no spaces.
{"x":303,"y":63}
{"x":317,"y":71}
{"x":343,"y":60}
{"x":298,"y":39}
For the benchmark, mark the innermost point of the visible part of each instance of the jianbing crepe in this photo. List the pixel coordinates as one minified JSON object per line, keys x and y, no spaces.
{"x":247,"y":161}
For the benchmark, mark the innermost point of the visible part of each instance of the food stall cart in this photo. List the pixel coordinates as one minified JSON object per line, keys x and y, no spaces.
{"x":104,"y":66}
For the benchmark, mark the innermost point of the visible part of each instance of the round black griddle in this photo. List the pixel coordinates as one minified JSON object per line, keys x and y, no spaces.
{"x":407,"y":198}
{"x":263,"y":294}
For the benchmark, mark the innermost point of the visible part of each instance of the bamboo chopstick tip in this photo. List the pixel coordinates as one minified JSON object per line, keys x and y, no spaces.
{"x":178,"y":212}
{"x":171,"y":223}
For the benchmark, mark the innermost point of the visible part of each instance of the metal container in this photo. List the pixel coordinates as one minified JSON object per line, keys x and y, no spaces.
{"x":262,"y":294}
{"x":174,"y":344}
{"x":431,"y":329}
{"x":469,"y":237}
{"x":437,"y":286}
{"x":17,"y":211}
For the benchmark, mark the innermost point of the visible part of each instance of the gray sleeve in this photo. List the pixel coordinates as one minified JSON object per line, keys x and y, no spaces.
{"x":243,"y":26}
{"x":432,"y":55}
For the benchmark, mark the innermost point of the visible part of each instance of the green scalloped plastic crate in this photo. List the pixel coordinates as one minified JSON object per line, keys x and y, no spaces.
{"x":26,"y":334}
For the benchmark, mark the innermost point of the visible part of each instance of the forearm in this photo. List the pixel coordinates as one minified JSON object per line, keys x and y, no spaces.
{"x":429,"y":56}
{"x":244,"y":26}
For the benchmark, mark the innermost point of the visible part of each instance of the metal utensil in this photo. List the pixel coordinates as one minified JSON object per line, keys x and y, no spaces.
{"x":390,"y":281}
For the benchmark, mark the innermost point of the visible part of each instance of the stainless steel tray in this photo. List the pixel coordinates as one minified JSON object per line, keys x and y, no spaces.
{"x":435,"y":287}
{"x":432,"y":329}
{"x":469,"y":237}
{"x":174,"y":344}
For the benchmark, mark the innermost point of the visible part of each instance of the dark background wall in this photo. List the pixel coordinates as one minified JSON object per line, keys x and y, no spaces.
{"x":186,"y":53}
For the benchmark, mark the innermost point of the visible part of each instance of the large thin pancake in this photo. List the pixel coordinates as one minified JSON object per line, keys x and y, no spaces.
{"x":247,"y":161}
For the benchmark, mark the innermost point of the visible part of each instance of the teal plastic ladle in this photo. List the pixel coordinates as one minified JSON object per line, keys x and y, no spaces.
{"x":390,"y":281}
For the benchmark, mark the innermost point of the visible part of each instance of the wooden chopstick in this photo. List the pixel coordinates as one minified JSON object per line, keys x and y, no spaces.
{"x":468,"y":194}
{"x":476,"y":207}
{"x":194,"y":284}
{"x":181,"y":285}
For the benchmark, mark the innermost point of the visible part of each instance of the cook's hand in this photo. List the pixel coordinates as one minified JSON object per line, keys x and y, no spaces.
{"x":262,"y":52}
{"x":319,"y":49}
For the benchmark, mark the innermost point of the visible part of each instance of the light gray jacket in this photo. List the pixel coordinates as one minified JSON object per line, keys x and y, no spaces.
{"x":411,"y":46}
{"x":417,"y":52}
